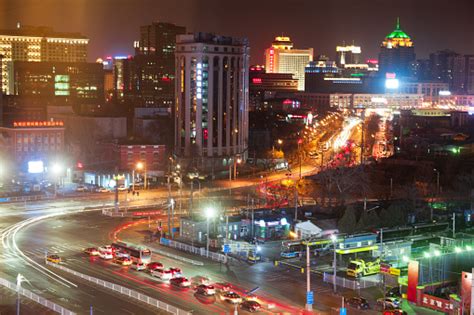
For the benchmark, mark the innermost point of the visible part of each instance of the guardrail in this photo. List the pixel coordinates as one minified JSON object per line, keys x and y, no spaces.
{"x":349,"y":284}
{"x":36,"y":298}
{"x":196,"y":250}
{"x":124,"y":291}
{"x":177,"y":257}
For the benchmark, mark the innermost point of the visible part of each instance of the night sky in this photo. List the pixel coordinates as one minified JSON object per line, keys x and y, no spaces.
{"x":113,"y":25}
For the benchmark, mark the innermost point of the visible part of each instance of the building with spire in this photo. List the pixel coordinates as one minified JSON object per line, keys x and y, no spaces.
{"x":397,"y":53}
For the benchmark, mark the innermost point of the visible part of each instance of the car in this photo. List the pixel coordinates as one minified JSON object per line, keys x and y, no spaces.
{"x":205,"y":289}
{"x":91,"y":251}
{"x":102,"y":190}
{"x":358,"y":302}
{"x":162,"y":274}
{"x":53,"y":258}
{"x":231,"y":297}
{"x":81,"y":188}
{"x":181,"y":282}
{"x":154,"y":266}
{"x":223,"y":286}
{"x":251,"y":297}
{"x":124,"y":261}
{"x":138,"y":266}
{"x":389,"y":303}
{"x":121,"y":254}
{"x":250,"y":306}
{"x":175,"y":271}
{"x":393,"y":292}
{"x":198,"y":280}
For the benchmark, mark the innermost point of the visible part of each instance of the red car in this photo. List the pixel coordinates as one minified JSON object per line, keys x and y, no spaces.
{"x":154,"y":266}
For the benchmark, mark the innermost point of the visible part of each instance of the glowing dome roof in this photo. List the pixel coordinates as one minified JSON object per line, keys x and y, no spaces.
{"x":398,"y":33}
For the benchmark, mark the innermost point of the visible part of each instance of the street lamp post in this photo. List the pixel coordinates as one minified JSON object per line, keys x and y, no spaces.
{"x":19,"y":280}
{"x":142,"y":166}
{"x":210,"y":212}
{"x":437,"y":181}
{"x":309,"y":307}
{"x":334,"y":262}
{"x":56,"y":171}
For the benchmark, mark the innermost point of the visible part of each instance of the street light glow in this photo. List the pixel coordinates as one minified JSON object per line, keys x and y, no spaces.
{"x":140,"y":165}
{"x":56,"y":168}
{"x":210,"y":212}
{"x":405,"y":258}
{"x":457,"y":249}
{"x":427,"y":254}
{"x":333,"y":237}
{"x":437,"y":252}
{"x":468,"y":248}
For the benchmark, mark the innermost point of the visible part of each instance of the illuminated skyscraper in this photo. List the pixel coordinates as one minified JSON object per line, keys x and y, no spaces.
{"x":28,"y":43}
{"x":397,"y":53}
{"x":211,"y":111}
{"x":283,"y":58}
{"x":348,"y":54}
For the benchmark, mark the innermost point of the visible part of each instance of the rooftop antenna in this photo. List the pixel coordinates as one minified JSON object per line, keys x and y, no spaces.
{"x":398,"y":23}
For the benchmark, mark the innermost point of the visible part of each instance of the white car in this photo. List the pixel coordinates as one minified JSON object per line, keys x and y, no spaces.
{"x":103,"y":190}
{"x":389,"y":303}
{"x":162,"y":274}
{"x":138,"y":266}
{"x":120,"y":254}
{"x":81,"y":188}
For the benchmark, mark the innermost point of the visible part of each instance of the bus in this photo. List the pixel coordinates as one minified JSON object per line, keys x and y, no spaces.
{"x":291,"y":249}
{"x":137,"y":254}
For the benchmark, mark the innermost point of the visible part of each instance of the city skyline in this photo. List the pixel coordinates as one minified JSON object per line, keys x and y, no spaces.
{"x":320,"y":26}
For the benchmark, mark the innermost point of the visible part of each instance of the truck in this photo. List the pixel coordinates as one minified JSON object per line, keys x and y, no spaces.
{"x":360,"y":268}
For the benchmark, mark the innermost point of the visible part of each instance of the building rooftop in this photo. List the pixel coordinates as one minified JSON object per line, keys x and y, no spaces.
{"x":398,"y":33}
{"x":210,"y":38}
{"x":40,"y":31}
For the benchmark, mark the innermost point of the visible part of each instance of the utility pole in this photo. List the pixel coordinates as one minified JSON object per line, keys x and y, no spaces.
{"x":296,"y":203}
{"x":171,"y":201}
{"x":454,"y":225}
{"x":191,"y":201}
{"x":391,"y":187}
{"x":253,"y":220}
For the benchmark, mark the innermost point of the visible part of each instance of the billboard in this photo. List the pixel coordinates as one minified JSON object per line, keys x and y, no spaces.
{"x":413,"y":269}
{"x":35,"y":167}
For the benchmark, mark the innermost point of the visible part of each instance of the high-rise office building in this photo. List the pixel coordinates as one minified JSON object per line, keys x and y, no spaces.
{"x":448,"y":66}
{"x":397,"y":53}
{"x":348,"y":54}
{"x":283,"y":58}
{"x":154,"y":65}
{"x":211,"y":110}
{"x":28,"y":43}
{"x":469,"y":74}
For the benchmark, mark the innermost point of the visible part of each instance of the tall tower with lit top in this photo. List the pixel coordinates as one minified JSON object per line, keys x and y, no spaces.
{"x":282,"y":57}
{"x":397,"y":52}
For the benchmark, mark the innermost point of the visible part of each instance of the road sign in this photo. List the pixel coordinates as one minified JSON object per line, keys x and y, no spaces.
{"x":226,"y":248}
{"x":394,"y":271}
{"x":309,"y":297}
{"x":343,"y":311}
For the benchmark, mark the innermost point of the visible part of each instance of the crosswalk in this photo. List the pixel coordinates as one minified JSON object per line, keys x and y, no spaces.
{"x":40,"y":252}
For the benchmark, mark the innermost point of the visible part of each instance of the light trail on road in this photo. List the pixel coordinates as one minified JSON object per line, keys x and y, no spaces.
{"x":346,"y":132}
